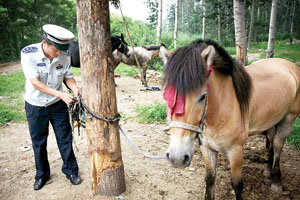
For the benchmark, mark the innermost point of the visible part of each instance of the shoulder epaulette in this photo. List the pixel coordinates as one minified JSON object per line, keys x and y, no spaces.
{"x":66,"y":52}
{"x":29,"y":49}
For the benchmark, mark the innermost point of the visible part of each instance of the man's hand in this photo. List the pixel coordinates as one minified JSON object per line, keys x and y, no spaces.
{"x":67,"y":98}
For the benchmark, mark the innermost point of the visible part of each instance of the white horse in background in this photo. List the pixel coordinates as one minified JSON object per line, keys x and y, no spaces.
{"x":144,"y":55}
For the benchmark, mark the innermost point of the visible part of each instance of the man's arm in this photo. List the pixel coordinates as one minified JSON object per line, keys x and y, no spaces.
{"x":71,"y":83}
{"x":66,"y":97}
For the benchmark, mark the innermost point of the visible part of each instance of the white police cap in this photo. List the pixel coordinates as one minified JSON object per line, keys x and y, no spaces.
{"x":59,"y":36}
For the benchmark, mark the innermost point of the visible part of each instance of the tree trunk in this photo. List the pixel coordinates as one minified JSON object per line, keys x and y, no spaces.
{"x":271,"y":41}
{"x":203,"y":19}
{"x":219,"y":22}
{"x":168,"y":20}
{"x":240,"y":31}
{"x":159,"y":21}
{"x":292,"y":21}
{"x":99,"y":94}
{"x":176,"y":23}
{"x":251,"y":24}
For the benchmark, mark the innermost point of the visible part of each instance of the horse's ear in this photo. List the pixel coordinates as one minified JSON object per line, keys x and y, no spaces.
{"x":208,"y":54}
{"x":122,"y":36}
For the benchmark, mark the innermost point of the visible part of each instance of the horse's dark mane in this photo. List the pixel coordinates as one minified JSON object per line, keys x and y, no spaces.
{"x":187,"y":71}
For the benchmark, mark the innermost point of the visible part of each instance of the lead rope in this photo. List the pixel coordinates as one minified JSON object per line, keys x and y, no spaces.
{"x":80,"y":107}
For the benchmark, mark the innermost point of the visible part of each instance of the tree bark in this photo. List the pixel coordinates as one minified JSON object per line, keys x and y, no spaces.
{"x":240,"y":31}
{"x":99,"y":94}
{"x":176,"y":23}
{"x":203,"y":19}
{"x":271,"y":41}
{"x":251,"y":24}
{"x":159,"y":21}
{"x":219,"y":22}
{"x":292,"y":21}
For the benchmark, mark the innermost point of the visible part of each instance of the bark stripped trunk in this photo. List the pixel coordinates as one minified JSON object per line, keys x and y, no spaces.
{"x":98,"y":88}
{"x":159,"y":21}
{"x":240,"y":31}
{"x":271,"y":41}
{"x":176,"y":23}
{"x":251,"y":24}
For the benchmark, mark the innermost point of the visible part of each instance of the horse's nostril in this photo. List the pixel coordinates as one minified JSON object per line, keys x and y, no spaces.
{"x":186,"y":159}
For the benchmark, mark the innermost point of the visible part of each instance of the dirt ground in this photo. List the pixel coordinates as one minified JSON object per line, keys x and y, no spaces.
{"x":145,"y":178}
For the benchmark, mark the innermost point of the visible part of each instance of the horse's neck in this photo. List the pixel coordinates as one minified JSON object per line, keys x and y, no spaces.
{"x":164,"y":54}
{"x":222,"y":101}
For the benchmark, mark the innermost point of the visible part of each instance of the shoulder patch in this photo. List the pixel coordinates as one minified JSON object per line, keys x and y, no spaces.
{"x":29,"y":49}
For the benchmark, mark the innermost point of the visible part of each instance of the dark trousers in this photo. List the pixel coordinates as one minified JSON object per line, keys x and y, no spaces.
{"x":38,"y":121}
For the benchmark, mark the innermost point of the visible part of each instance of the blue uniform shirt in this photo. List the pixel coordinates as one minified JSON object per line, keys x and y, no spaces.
{"x":36,"y":64}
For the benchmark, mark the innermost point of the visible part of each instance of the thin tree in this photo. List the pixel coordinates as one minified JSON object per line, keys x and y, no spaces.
{"x":240,"y":31}
{"x":219,"y":22}
{"x":159,"y":21}
{"x":99,"y":94}
{"x":271,"y":41}
{"x":203,"y":18}
{"x":251,"y":24}
{"x":292,"y":21}
{"x":176,"y":22}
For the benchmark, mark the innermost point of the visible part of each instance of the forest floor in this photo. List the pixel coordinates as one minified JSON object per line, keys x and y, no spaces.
{"x":146,"y":179}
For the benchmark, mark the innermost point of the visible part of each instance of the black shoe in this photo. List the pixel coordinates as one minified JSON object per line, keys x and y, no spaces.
{"x":38,"y":184}
{"x":75,"y":179}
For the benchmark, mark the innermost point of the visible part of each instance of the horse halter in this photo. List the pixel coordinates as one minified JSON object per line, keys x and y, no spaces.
{"x":202,"y":125}
{"x":198,"y":129}
{"x":120,"y":46}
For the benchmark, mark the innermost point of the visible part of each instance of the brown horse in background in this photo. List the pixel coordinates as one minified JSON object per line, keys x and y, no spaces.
{"x":222,"y":103}
{"x":144,"y":55}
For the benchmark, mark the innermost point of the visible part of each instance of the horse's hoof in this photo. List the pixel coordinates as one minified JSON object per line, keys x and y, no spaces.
{"x":276,"y":187}
{"x":267,"y":173}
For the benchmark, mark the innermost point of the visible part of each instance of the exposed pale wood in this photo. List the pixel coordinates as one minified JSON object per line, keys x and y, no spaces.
{"x":98,"y":88}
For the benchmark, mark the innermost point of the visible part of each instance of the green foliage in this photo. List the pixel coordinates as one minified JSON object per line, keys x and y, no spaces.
{"x":126,"y":70}
{"x":12,"y":85}
{"x":294,"y":138}
{"x":21,"y":22}
{"x":11,"y":89}
{"x":76,"y":71}
{"x":152,"y":113}
{"x":13,"y":113}
{"x":140,"y":33}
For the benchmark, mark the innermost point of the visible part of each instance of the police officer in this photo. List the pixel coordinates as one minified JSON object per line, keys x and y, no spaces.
{"x":46,"y":65}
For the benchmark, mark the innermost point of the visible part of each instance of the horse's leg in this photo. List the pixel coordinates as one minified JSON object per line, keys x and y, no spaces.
{"x":269,"y":145}
{"x":210,"y":158}
{"x":144,"y":74}
{"x":284,"y":128}
{"x":235,"y":156}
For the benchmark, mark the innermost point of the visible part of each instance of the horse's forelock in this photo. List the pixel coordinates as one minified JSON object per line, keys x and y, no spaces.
{"x":186,"y":69}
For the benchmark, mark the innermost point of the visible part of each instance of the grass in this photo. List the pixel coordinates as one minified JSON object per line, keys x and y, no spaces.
{"x":126,"y":70}
{"x":11,"y":102}
{"x":294,"y":139}
{"x":152,"y":113}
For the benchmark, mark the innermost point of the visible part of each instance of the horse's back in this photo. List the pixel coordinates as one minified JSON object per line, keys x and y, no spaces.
{"x":276,"y":92}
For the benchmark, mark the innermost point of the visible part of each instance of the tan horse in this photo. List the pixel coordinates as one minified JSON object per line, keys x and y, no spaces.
{"x":144,"y":55}
{"x":226,"y":106}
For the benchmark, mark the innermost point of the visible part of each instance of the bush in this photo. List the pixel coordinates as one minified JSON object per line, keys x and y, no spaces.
{"x":152,"y":113}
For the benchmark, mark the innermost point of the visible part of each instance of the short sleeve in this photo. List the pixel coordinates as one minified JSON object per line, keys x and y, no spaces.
{"x":29,"y":66}
{"x":69,"y":72}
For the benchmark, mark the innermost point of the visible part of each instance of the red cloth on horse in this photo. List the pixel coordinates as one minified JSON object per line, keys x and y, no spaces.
{"x":176,"y":103}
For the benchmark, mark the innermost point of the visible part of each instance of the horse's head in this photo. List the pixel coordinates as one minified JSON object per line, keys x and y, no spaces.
{"x":120,"y":44}
{"x":186,"y":80}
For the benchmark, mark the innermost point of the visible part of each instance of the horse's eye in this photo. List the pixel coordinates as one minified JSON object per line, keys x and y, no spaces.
{"x":202,"y":97}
